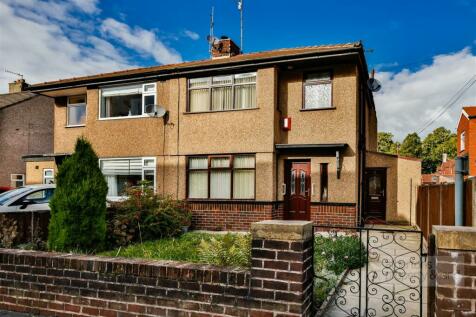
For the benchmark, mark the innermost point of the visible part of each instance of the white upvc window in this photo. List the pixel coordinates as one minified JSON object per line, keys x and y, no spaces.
{"x":48,"y":176}
{"x":126,"y":101}
{"x":462,"y":141}
{"x":17,"y":180}
{"x":122,"y":173}
{"x":76,"y":111}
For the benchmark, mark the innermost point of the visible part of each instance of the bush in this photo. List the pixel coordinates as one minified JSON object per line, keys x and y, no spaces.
{"x":228,"y":250}
{"x":78,"y":206}
{"x":338,"y":253}
{"x":145,"y":216}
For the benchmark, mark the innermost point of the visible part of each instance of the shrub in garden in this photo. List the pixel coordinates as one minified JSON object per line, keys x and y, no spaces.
{"x":144,"y":215}
{"x":228,"y":250}
{"x":78,"y":206}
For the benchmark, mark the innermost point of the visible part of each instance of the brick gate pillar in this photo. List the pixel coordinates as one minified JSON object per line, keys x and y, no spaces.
{"x":455,"y":268}
{"x":282,"y":265}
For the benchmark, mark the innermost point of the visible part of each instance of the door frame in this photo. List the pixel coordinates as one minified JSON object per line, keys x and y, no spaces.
{"x":287,"y":167}
{"x":383,"y":171}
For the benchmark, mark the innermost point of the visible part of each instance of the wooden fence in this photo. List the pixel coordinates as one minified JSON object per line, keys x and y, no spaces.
{"x":436,"y":206}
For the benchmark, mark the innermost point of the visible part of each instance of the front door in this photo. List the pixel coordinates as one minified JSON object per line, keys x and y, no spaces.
{"x":375,"y":200}
{"x":297,"y":194}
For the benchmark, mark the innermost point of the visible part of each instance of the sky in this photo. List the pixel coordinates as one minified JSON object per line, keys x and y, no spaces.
{"x":423,"y":51}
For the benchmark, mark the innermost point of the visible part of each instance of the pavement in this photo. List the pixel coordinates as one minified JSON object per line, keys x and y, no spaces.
{"x":11,"y":314}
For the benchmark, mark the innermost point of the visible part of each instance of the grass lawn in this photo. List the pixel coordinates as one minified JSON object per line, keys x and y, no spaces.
{"x":197,"y":247}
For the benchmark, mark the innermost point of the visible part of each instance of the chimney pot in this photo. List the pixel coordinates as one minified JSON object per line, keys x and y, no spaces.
{"x":18,"y":85}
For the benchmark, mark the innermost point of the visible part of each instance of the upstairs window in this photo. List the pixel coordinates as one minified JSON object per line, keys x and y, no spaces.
{"x":462,"y":141}
{"x":127,"y":101}
{"x":318,"y":91}
{"x":221,"y":93}
{"x":76,"y":115}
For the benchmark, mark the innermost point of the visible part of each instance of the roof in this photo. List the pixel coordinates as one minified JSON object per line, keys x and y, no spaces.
{"x":228,"y":61}
{"x":410,"y":158}
{"x":447,"y":168}
{"x":470,"y":111}
{"x":13,"y":98}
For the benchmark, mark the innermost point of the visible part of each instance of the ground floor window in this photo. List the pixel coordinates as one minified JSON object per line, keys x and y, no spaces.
{"x":122,"y":173}
{"x":48,"y":176}
{"x":17,"y":180}
{"x":221,"y":177}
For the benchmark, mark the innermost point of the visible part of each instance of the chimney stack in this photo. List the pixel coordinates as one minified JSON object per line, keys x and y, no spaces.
{"x":224,"y":47}
{"x":18,"y":85}
{"x":445,"y":157}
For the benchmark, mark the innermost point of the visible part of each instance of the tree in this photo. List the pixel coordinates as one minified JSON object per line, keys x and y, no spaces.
{"x":411,"y":146}
{"x":386,"y":144}
{"x":78,"y":206}
{"x":435,"y":144}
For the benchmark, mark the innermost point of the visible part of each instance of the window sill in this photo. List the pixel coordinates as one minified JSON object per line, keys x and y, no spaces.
{"x":75,"y":126}
{"x":125,"y":118}
{"x":318,"y":109}
{"x":219,"y":111}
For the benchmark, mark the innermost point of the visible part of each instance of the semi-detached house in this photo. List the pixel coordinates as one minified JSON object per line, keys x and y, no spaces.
{"x":283,"y":134}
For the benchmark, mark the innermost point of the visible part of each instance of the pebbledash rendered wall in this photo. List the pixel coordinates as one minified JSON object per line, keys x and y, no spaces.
{"x":279,"y":282}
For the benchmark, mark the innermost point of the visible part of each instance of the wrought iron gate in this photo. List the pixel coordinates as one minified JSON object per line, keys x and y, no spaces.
{"x":383,"y":275}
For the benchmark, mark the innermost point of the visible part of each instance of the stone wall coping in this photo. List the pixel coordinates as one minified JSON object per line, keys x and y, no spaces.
{"x":455,"y":237}
{"x":287,"y":230}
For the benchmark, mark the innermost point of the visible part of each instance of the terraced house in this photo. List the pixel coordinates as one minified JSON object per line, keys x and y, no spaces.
{"x":283,"y":134}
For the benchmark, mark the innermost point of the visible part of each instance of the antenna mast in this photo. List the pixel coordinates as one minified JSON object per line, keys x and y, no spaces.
{"x":240,"y":7}
{"x":212,"y":25}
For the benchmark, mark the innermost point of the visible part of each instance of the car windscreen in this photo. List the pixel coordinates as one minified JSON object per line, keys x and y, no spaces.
{"x":6,"y":196}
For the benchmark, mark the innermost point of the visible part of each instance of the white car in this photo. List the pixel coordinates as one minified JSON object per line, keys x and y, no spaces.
{"x":31,"y":198}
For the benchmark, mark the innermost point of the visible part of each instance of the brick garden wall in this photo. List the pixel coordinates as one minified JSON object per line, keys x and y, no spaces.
{"x":58,"y":284}
{"x":454,"y":267}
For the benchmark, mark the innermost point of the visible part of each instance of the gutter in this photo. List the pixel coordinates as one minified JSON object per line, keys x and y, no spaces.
{"x":192,"y":70}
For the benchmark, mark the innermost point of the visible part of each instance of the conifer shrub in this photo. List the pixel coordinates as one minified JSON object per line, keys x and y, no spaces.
{"x":78,"y":206}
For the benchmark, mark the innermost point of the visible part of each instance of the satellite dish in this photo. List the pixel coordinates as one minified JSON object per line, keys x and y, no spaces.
{"x":374,"y":85}
{"x":155,"y":111}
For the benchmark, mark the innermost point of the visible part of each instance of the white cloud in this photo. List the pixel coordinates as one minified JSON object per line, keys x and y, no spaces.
{"x":410,"y":99}
{"x":193,"y":35}
{"x":140,"y":40}
{"x":51,"y":39}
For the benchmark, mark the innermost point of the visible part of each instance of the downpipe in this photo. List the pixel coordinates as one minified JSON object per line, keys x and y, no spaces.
{"x":459,"y":190}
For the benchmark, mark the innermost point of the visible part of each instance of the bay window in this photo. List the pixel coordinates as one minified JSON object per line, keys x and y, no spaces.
{"x":318,"y":91}
{"x":221,"y":177}
{"x":76,"y":114}
{"x":127,"y":101}
{"x":123,"y":173}
{"x":222,"y":93}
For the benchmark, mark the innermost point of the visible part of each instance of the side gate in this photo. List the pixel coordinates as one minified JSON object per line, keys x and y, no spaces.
{"x":371,"y":272}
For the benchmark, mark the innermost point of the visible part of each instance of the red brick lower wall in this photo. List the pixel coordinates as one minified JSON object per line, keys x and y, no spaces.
{"x":335,"y":215}
{"x":239,"y":215}
{"x":230,"y":215}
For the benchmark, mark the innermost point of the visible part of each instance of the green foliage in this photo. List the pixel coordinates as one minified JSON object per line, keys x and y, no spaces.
{"x":191,"y":247}
{"x":78,"y":206}
{"x":411,"y":146}
{"x":386,"y":144}
{"x":338,"y":253}
{"x":332,"y":256}
{"x":228,"y":250}
{"x":145,"y":216}
{"x":435,"y":144}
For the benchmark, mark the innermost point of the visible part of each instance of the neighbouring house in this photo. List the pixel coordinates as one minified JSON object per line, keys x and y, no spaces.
{"x":444,"y":174}
{"x":283,"y":134}
{"x":466,"y":143}
{"x":26,"y":127}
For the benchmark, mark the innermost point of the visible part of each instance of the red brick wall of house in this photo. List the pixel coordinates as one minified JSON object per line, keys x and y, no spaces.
{"x":239,"y":216}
